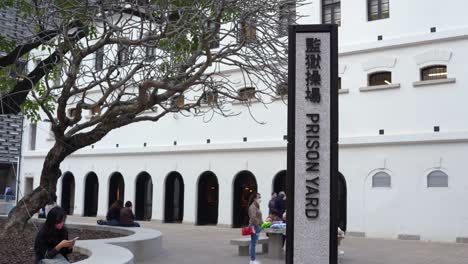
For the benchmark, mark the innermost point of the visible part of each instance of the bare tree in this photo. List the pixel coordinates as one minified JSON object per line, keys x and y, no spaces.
{"x":134,"y":61}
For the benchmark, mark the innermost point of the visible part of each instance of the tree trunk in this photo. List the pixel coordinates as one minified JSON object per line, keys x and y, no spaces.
{"x":33,"y":202}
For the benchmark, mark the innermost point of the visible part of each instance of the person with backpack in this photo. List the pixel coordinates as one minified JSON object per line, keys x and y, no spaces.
{"x":127,"y":218}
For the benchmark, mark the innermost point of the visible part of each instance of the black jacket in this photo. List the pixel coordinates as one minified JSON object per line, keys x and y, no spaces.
{"x":113,"y":213}
{"x":45,"y":243}
{"x":280,"y":206}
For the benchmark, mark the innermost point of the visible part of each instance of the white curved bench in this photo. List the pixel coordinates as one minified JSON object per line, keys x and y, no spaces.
{"x":137,"y":245}
{"x":99,"y":252}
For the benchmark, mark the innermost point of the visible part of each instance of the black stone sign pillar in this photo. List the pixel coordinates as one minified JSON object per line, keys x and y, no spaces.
{"x":312,"y":145}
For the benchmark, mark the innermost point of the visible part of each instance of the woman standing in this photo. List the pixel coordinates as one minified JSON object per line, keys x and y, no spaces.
{"x":52,"y":244}
{"x":255,"y":221}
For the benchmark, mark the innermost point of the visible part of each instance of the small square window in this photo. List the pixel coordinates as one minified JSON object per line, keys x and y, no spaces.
{"x":99,"y":59}
{"x":214,"y":43}
{"x":247,"y":93}
{"x":331,"y":12}
{"x":123,"y":55}
{"x":96,"y":110}
{"x":150,"y":53}
{"x":178,"y":101}
{"x":72,"y":112}
{"x":287,"y":16}
{"x":378,"y":9}
{"x":209,"y":97}
{"x":247,"y":30}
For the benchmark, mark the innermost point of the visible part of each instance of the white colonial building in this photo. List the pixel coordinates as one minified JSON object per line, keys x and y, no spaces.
{"x":403,"y":128}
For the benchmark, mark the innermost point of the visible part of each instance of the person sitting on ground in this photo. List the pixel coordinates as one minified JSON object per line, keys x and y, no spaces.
{"x":52,"y":244}
{"x":127,"y":218}
{"x":113,"y":215}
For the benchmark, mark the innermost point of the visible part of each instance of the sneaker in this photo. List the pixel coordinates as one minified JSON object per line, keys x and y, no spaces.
{"x":255,"y":262}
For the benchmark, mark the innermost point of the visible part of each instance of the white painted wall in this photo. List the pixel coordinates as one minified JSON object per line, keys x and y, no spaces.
{"x":407,"y":18}
{"x":408,"y":207}
{"x":408,"y":150}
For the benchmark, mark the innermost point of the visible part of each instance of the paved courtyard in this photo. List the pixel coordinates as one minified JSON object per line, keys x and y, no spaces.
{"x":199,"y":245}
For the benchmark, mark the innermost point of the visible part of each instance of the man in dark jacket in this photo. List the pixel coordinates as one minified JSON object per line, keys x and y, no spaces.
{"x":271,"y":204}
{"x":127,"y":218}
{"x":280,"y":204}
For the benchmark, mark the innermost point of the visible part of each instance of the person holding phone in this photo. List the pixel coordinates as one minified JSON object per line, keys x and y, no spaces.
{"x":52,"y":244}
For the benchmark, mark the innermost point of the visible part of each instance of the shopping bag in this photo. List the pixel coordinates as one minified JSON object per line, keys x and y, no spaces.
{"x":247,"y":231}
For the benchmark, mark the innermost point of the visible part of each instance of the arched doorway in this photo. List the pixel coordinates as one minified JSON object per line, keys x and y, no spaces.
{"x":244,"y":186}
{"x":342,"y":202}
{"x":68,"y":193}
{"x":116,"y":188}
{"x":91,"y":194}
{"x":279,"y":182}
{"x":143,"y":197}
{"x":174,"y":198}
{"x":207,"y":203}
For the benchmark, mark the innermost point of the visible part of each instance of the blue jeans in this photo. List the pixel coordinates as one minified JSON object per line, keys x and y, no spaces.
{"x":135,"y":224}
{"x":253,"y":241}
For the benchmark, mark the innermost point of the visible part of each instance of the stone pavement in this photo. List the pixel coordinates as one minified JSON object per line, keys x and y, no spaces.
{"x":185,"y":243}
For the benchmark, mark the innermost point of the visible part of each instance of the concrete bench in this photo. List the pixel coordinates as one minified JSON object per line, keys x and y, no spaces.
{"x":5,"y":207}
{"x":244,"y":243}
{"x":137,"y":245}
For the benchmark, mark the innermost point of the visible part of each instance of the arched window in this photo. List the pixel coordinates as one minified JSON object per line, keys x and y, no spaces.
{"x":381,"y":180}
{"x":380,"y":78}
{"x":437,"y":179}
{"x":434,"y":72}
